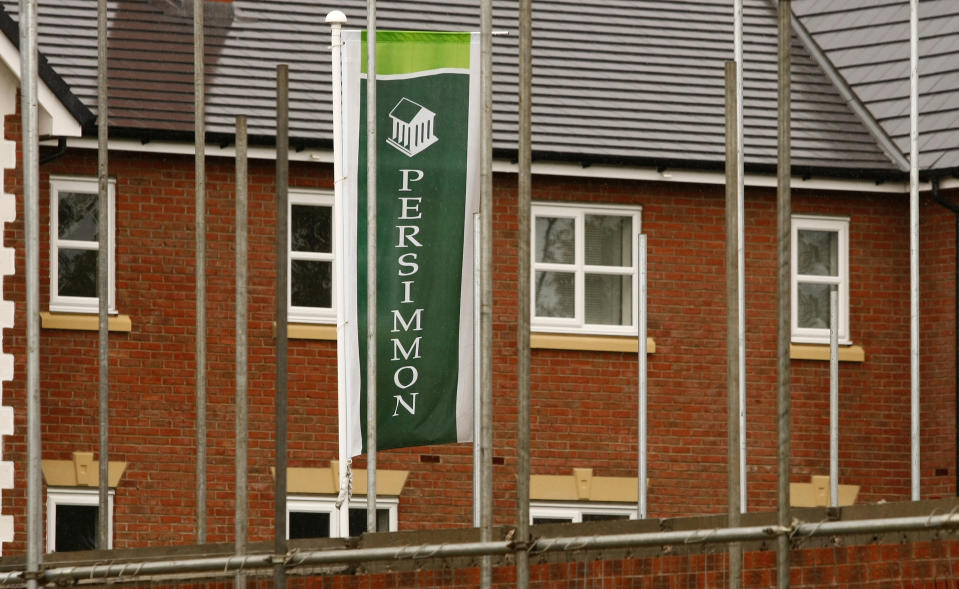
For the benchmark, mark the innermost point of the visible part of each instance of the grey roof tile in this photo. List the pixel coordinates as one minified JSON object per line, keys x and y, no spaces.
{"x":633,"y":79}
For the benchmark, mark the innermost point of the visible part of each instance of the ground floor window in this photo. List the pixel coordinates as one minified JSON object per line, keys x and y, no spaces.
{"x":551,"y":512}
{"x":73,"y":519}
{"x":310,"y":516}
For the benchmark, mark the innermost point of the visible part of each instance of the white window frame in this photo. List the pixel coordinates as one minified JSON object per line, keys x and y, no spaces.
{"x":327,"y":504}
{"x":57,"y":496}
{"x":301,"y":314}
{"x":73,"y":304}
{"x":839,"y":225}
{"x":574,"y":511}
{"x":578,"y":212}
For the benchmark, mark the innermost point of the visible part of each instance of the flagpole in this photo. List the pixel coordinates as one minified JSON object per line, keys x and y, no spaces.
{"x":371,"y":267}
{"x":336,"y":19}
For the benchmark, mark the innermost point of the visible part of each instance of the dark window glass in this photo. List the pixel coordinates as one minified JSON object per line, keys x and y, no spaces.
{"x":311,"y":283}
{"x":600,"y":517}
{"x":552,"y":520}
{"x":77,"y":272}
{"x":358,"y":521}
{"x":77,"y":216}
{"x":76,"y":527}
{"x":311,"y":229}
{"x":305,"y":524}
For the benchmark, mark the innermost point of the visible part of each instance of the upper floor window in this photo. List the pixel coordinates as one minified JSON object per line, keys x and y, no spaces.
{"x":584,"y":268}
{"x":73,"y":519}
{"x":820,"y":263}
{"x":74,"y":244}
{"x":311,"y":257}
{"x":310,"y":516}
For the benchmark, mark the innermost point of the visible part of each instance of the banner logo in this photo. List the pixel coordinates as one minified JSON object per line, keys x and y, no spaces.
{"x":412,"y":127}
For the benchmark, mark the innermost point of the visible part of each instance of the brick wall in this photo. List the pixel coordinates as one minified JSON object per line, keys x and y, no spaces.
{"x":583,"y":403}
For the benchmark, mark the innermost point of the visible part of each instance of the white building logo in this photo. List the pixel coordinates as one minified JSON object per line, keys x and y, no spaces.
{"x":412,"y":127}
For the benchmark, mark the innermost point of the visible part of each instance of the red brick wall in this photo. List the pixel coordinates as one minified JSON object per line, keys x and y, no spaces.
{"x":583,"y":403}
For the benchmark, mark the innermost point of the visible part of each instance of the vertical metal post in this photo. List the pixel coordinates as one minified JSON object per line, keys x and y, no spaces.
{"x":282,"y":299}
{"x":242,"y":385}
{"x":914,"y":240}
{"x":486,"y":287}
{"x":199,"y":134}
{"x":741,"y":244}
{"x":733,"y":494}
{"x":833,"y":397}
{"x":29,"y":113}
{"x":641,"y":321}
{"x":103,"y":283}
{"x":371,"y":147}
{"x":477,"y":377}
{"x":783,"y":237}
{"x":523,"y":290}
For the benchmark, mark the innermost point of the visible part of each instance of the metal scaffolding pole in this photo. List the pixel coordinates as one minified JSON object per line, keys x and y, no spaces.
{"x":103,"y":281}
{"x":282,"y":298}
{"x":833,"y":397}
{"x":914,"y":241}
{"x":228,"y":564}
{"x":523,"y":292}
{"x":741,"y":245}
{"x":371,"y":308}
{"x":783,"y":235}
{"x":242,"y":305}
{"x":734,"y":490}
{"x":29,"y":113}
{"x":199,"y":134}
{"x":486,"y":288}
{"x":643,"y":380}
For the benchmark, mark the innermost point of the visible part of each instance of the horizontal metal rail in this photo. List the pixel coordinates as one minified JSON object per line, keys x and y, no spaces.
{"x":228,"y":565}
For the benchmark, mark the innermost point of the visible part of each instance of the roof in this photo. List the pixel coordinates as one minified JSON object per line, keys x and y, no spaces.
{"x":634,"y":81}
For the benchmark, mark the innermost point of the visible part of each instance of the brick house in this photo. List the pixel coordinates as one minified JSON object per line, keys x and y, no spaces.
{"x":628,"y":137}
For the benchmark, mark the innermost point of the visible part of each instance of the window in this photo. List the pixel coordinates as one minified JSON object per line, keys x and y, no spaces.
{"x":548,"y":512}
{"x":820,"y":263}
{"x":311,"y":257}
{"x":74,"y":245}
{"x":309,"y":516}
{"x":584,"y":268}
{"x":73,"y":518}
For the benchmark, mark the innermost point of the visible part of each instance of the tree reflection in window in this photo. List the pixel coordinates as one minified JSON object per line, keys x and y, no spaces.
{"x":77,"y":229}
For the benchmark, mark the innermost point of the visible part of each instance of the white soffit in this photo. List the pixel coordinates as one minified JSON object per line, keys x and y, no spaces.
{"x":55,"y":119}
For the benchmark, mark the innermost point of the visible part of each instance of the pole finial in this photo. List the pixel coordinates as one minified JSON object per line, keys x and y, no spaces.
{"x":336,"y":17}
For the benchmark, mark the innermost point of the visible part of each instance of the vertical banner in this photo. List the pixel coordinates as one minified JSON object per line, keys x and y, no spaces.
{"x":427,"y":192}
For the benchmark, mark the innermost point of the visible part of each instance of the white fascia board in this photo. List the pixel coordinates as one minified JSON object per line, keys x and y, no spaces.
{"x":545,"y":168}
{"x":55,"y":119}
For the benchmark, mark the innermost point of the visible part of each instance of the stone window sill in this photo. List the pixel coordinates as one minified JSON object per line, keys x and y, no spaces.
{"x":591,"y":343}
{"x":84,"y":322}
{"x":821,"y":352}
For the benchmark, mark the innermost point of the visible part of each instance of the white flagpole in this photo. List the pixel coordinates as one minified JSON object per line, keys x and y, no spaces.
{"x":914,"y":237}
{"x":336,"y":19}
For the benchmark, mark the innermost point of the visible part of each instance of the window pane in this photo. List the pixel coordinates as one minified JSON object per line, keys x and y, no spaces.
{"x":609,"y":299}
{"x":311,"y":229}
{"x":76,"y":527}
{"x":77,"y":214}
{"x":552,"y":520}
{"x":77,"y":272}
{"x":358,"y":520}
{"x":305,"y":524}
{"x":555,"y":240}
{"x":600,"y":517}
{"x":813,"y":305}
{"x":311,"y":283}
{"x":818,"y":253}
{"x":555,"y":294}
{"x":608,"y":240}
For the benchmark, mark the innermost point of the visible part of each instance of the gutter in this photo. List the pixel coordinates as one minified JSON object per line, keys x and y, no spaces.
{"x":955,"y":210}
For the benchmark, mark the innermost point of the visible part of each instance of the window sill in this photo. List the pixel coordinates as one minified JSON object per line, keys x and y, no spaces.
{"x":591,"y":343}
{"x":84,"y":322}
{"x":821,"y":352}
{"x":310,"y":331}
